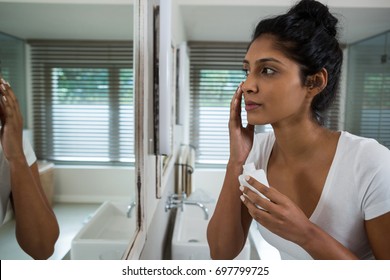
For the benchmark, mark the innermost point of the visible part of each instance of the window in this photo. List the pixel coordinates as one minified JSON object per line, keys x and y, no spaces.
{"x":83,"y":102}
{"x":215,"y":73}
{"x":368,"y":96}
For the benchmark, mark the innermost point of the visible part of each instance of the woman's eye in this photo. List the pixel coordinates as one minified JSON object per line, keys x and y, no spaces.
{"x":268,"y":71}
{"x":264,"y":71}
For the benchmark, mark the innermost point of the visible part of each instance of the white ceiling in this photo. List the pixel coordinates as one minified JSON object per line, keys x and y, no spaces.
{"x":229,"y":21}
{"x":84,"y":20}
{"x":218,"y":20}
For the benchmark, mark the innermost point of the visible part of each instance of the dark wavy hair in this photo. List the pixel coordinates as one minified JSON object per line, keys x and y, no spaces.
{"x":307,"y":34}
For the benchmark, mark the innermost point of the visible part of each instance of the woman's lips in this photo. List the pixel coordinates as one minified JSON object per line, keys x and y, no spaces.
{"x":251,"y":106}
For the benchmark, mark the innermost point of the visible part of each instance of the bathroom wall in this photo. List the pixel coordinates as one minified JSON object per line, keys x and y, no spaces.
{"x":209,"y":180}
{"x":93,"y":184}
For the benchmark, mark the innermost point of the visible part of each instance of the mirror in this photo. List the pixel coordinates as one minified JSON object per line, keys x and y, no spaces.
{"x":76,"y":89}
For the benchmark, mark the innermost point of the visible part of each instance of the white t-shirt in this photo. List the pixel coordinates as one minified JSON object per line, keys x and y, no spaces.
{"x":357,"y":188}
{"x":5,"y":180}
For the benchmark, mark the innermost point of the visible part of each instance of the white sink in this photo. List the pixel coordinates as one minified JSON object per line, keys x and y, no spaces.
{"x":107,"y":233}
{"x":189,"y":240}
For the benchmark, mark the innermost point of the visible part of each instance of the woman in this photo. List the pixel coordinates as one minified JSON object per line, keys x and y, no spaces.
{"x":329,"y":191}
{"x":36,"y":225}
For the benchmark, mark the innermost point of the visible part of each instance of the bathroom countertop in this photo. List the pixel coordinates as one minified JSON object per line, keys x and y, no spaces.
{"x":71,"y":218}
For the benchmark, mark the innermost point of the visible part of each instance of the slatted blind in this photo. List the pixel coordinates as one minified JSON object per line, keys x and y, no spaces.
{"x":215,"y":73}
{"x":368,"y":96}
{"x":83,"y":101}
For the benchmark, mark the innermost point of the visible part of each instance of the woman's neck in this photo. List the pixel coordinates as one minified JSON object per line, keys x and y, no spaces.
{"x":300,"y":141}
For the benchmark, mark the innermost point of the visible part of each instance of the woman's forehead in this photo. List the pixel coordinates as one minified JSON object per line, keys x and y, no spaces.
{"x":264,"y":47}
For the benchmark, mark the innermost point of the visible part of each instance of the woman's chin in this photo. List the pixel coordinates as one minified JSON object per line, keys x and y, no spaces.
{"x":256,"y":122}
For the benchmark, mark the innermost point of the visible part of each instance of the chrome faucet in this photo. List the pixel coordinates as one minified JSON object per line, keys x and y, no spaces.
{"x":201,"y":205}
{"x":175,"y":201}
{"x":130,"y":208}
{"x":178,"y":200}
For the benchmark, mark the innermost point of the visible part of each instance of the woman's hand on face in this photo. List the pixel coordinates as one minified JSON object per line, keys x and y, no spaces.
{"x":11,"y":123}
{"x":278,"y":214}
{"x":241,"y":138}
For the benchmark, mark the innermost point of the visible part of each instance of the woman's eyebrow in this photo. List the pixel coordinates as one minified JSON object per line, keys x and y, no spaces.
{"x":262,"y":60}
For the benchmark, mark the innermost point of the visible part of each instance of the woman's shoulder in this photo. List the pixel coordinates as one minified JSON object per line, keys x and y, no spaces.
{"x":366,"y":162}
{"x":364,"y":151}
{"x":362,"y":144}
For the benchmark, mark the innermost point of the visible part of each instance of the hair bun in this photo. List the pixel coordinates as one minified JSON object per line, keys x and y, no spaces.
{"x":316,"y":12}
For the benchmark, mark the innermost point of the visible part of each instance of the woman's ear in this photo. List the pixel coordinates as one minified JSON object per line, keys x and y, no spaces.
{"x":317,"y":82}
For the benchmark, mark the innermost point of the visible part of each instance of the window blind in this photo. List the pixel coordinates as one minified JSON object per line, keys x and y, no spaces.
{"x":368,"y":90}
{"x":83,"y":101}
{"x":215,"y":73}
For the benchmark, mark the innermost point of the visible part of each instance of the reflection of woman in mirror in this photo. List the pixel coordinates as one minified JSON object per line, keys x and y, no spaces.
{"x":36,"y":225}
{"x":329,"y":194}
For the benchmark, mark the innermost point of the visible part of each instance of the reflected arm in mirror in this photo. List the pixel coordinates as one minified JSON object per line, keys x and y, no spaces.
{"x":37,"y":229}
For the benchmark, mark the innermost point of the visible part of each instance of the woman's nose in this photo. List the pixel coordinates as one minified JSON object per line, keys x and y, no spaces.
{"x":249,"y":85}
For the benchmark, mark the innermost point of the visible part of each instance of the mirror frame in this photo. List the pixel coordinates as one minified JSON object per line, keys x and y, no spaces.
{"x":164,"y":90}
{"x":136,"y":245}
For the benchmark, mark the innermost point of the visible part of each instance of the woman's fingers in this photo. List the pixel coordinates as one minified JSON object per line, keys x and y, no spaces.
{"x":271,"y":193}
{"x":257,"y":213}
{"x":4,"y":101}
{"x":236,"y":96}
{"x":12,"y":123}
{"x":259,"y":201}
{"x":272,"y":199}
{"x":241,"y":139}
{"x":10,"y":111}
{"x":235,"y":105}
{"x":8,"y":95}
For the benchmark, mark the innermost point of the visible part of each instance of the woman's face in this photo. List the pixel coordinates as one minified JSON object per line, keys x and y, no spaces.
{"x":273,"y":90}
